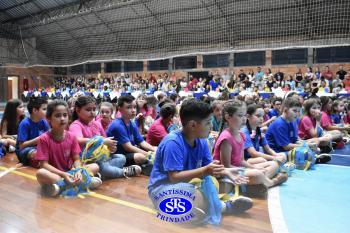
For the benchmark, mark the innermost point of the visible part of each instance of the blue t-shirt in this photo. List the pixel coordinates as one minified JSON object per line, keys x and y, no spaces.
{"x":214,"y":85}
{"x":252,"y":142}
{"x":28,"y":130}
{"x":281,"y":133}
{"x":336,"y":118}
{"x":174,"y":154}
{"x":273,"y":112}
{"x":123,"y":133}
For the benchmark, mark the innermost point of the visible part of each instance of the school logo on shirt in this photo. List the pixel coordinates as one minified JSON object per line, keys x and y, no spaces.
{"x":66,"y":153}
{"x":175,"y":205}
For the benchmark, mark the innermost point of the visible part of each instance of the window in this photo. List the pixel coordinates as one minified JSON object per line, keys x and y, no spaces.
{"x":93,"y":68}
{"x":289,"y":56}
{"x":332,"y":54}
{"x":250,"y":58}
{"x":185,"y":62}
{"x":217,"y":60}
{"x":130,"y":66}
{"x":79,"y":69}
{"x":158,"y":65}
{"x":113,"y":67}
{"x":60,"y":70}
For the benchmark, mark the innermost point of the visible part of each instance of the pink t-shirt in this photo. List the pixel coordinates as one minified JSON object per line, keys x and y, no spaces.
{"x":150,"y":112}
{"x":103,"y":124}
{"x":305,"y":125}
{"x":59,"y":154}
{"x":156,"y":133}
{"x":81,"y":130}
{"x":326,"y":120}
{"x":237,"y":147}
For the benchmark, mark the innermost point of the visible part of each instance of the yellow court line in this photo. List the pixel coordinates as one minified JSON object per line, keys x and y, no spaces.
{"x":92,"y":194}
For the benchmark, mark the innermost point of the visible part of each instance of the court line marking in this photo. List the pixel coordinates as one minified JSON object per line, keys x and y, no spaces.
{"x":333,"y":165}
{"x":340,"y":155}
{"x":92,"y":194}
{"x":277,"y":220}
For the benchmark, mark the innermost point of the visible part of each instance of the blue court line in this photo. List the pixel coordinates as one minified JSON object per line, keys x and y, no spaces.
{"x":313,"y":201}
{"x":342,"y":160}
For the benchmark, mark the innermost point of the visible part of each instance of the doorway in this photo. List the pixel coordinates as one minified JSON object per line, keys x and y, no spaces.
{"x":12,"y":87}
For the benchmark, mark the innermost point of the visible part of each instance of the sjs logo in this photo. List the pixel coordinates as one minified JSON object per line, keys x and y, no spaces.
{"x":175,"y":206}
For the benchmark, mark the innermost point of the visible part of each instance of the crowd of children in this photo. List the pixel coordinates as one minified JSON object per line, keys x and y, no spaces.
{"x":169,"y":135}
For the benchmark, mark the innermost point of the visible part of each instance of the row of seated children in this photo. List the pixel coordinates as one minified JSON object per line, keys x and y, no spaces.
{"x":181,"y":156}
{"x":38,"y":139}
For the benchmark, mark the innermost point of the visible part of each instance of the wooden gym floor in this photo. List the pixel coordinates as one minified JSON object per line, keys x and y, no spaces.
{"x":119,"y":205}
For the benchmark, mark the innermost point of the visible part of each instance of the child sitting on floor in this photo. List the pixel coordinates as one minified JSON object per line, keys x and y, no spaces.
{"x":13,"y":115}
{"x":85,"y":127}
{"x":29,"y":131}
{"x":58,"y":152}
{"x":125,"y":132}
{"x":229,"y":149}
{"x":183,"y":156}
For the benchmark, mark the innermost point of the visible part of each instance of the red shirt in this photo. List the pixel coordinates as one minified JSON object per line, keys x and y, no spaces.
{"x":156,"y":132}
{"x":328,"y":75}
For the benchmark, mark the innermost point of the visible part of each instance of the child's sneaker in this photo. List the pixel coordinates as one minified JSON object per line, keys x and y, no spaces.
{"x":146,"y":169}
{"x":12,"y":149}
{"x":95,"y":183}
{"x":323,"y":158}
{"x":51,"y":190}
{"x":98,"y":175}
{"x":133,"y":170}
{"x":238,"y":205}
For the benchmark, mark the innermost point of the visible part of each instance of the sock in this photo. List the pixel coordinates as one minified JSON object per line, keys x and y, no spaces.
{"x":223,"y":207}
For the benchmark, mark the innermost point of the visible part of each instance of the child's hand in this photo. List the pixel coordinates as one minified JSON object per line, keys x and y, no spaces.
{"x":77,"y":177}
{"x":140,"y":115}
{"x":235,"y":177}
{"x":69,"y":178}
{"x":214,"y":169}
{"x":112,"y":144}
{"x":273,"y":118}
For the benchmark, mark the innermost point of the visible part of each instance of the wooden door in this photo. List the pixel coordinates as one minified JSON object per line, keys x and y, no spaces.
{"x":9,"y":89}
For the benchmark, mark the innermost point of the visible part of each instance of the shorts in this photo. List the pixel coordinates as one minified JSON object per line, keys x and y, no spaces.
{"x":129,"y":159}
{"x":22,"y":156}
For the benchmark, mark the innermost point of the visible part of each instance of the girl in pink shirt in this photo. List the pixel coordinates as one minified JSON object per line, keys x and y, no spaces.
{"x":229,"y":149}
{"x":58,"y":152}
{"x":310,"y":126}
{"x":326,"y":121}
{"x":84,"y":126}
{"x":105,"y":116}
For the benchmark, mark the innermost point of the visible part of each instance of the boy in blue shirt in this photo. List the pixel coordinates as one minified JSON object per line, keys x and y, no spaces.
{"x":29,"y":131}
{"x":276,"y":110}
{"x":184,"y":155}
{"x":282,"y":134}
{"x":125,"y":132}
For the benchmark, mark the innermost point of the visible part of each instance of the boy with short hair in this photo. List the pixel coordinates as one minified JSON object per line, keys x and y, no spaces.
{"x":126,"y":133}
{"x":184,"y":155}
{"x":276,"y":110}
{"x":29,"y":131}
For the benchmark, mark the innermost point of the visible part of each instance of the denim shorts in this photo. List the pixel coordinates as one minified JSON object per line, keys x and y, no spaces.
{"x":22,"y":155}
